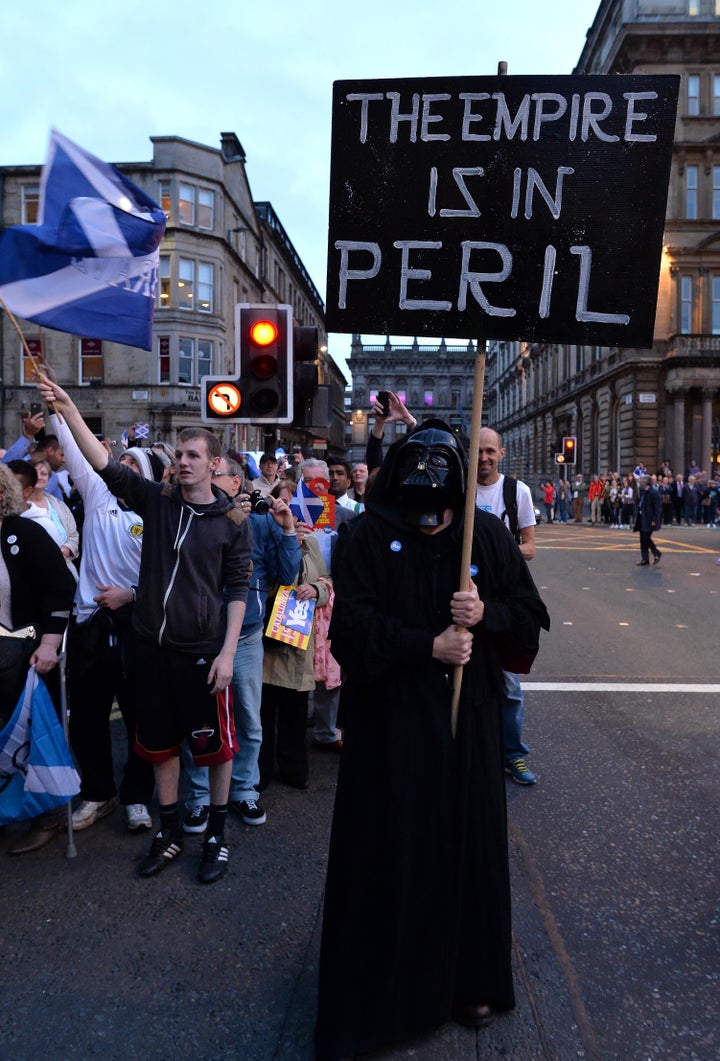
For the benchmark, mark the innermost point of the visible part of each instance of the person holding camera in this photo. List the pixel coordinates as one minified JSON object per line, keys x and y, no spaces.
{"x":275,"y":561}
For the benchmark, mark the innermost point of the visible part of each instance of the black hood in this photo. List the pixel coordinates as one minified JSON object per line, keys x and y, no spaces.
{"x":424,"y":473}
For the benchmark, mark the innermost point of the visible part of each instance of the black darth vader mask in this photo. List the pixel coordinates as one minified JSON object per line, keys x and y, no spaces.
{"x":429,"y":475}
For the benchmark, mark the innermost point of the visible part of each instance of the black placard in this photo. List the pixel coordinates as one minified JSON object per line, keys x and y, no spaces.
{"x":502,"y":207}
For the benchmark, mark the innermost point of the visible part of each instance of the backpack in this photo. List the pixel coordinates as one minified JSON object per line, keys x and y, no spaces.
{"x":511,"y":508}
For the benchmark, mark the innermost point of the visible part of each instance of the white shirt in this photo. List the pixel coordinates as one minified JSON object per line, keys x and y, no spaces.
{"x":490,"y":499}
{"x":348,"y":503}
{"x":112,"y":536}
{"x":39,"y":515}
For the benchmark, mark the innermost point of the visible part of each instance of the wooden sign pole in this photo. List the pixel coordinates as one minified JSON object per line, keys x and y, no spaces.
{"x":470,"y":496}
{"x":470,"y":505}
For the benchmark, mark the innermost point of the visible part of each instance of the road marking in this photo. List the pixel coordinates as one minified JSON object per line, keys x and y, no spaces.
{"x":618,"y":687}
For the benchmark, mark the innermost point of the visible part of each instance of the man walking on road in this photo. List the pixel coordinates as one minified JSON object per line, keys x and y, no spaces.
{"x":648,"y":520}
{"x":195,"y":544}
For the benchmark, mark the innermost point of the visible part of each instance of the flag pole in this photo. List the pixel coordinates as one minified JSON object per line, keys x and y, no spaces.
{"x":470,"y":497}
{"x":33,"y":360}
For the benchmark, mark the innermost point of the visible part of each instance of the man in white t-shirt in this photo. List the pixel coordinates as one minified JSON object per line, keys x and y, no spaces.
{"x":489,"y":497}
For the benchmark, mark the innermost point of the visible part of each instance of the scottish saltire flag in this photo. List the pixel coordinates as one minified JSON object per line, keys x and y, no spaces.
{"x":306,"y":505}
{"x":90,"y":265}
{"x":36,"y":768}
{"x":142,"y":431}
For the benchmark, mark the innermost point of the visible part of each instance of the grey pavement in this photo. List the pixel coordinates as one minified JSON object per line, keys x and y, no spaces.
{"x":101,"y":964}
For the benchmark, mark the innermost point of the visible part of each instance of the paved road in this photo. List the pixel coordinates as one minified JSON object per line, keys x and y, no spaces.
{"x":614,"y":861}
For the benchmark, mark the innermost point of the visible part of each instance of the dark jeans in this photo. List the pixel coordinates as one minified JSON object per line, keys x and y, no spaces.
{"x":97,"y":674}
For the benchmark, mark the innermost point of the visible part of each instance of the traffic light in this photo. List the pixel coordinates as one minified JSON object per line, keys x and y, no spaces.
{"x":262,"y":390}
{"x":264,"y":345}
{"x":569,"y":448}
{"x":305,"y":353}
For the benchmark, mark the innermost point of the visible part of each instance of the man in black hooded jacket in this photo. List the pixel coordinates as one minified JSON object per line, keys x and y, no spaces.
{"x":196,"y":550}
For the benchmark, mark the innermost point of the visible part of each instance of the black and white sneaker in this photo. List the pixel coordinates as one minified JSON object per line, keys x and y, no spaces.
{"x":162,"y":852}
{"x":249,"y":810}
{"x":196,"y":819}
{"x":214,"y":860}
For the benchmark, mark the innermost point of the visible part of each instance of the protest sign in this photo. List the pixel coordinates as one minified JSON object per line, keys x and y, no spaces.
{"x":524,"y":208}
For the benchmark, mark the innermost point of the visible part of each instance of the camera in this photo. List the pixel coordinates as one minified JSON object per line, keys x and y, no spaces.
{"x":258,"y":504}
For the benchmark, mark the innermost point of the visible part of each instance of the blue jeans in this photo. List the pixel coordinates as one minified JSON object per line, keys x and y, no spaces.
{"x":513,"y":710}
{"x":247,"y":696}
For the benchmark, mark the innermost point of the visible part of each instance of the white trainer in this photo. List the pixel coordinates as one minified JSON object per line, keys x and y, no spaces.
{"x":89,"y":812}
{"x":137,"y":817}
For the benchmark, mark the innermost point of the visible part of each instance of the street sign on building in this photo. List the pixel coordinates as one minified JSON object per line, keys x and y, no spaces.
{"x":524,"y":208}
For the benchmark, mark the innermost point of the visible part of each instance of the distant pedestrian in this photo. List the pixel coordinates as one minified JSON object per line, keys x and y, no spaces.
{"x":648,"y":520}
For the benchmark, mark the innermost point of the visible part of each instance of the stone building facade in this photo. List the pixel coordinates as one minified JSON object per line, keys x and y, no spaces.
{"x":433,"y":380}
{"x":629,"y":405}
{"x":220,"y":247}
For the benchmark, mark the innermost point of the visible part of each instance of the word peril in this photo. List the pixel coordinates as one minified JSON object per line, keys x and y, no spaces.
{"x":361,"y":262}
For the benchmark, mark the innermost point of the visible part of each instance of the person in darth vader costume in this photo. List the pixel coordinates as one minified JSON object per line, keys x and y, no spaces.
{"x":416,"y":928}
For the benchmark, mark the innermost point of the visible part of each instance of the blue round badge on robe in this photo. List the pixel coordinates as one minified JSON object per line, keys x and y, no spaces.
{"x":473,"y":570}
{"x":396,"y":546}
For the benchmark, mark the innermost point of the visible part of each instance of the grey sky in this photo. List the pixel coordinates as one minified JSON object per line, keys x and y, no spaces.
{"x":111,"y":76}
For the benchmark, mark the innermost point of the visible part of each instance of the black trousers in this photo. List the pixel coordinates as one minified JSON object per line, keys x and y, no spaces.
{"x":98,"y":673}
{"x":647,"y":546}
{"x":283,"y":714}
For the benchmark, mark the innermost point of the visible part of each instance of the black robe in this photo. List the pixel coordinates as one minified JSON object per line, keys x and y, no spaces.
{"x":417,"y":902}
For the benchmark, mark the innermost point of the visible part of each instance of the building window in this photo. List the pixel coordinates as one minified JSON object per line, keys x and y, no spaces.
{"x":163,"y":359}
{"x":428,"y":398}
{"x":693,"y":7}
{"x":693,"y":94}
{"x":691,"y":190}
{"x":91,"y":362}
{"x":686,"y":304}
{"x":166,"y":198}
{"x":204,"y":358}
{"x":716,"y":87}
{"x":30,"y":204}
{"x":186,"y":204}
{"x":189,"y":370}
{"x":716,"y":193}
{"x":205,"y":210}
{"x":186,"y":283}
{"x":185,"y":361}
{"x":205,"y":287}
{"x":716,"y":305}
{"x":35,"y":346}
{"x":164,"y":285}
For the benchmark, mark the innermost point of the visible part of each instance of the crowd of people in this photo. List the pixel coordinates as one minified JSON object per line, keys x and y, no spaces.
{"x":176,"y":557}
{"x":689,"y":499}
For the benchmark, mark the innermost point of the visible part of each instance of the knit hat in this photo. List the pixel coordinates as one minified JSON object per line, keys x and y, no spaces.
{"x":164,"y":452}
{"x":150,"y":465}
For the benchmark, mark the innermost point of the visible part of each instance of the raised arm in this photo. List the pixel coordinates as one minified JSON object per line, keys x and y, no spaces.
{"x":90,"y":446}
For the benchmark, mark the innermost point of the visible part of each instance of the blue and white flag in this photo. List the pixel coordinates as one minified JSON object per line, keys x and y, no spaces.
{"x":90,"y":264}
{"x":142,"y":431}
{"x":306,"y":505}
{"x":36,"y":768}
